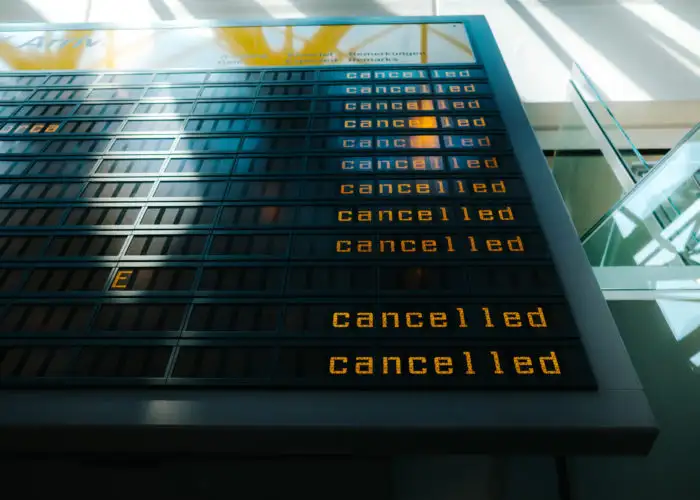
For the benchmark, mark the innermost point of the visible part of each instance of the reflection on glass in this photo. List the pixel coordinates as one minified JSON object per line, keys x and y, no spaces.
{"x":656,"y":224}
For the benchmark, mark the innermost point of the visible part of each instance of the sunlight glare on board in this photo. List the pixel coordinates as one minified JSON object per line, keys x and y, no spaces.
{"x":281,"y":9}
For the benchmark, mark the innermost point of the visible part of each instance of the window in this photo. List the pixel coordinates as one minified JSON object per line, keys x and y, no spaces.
{"x":85,"y":246}
{"x":139,"y":317}
{"x":130,"y":166}
{"x":117,"y":190}
{"x":250,"y":245}
{"x":233,"y":317}
{"x":190,"y":189}
{"x":242,"y":279}
{"x":193,"y":216}
{"x":100,"y":216}
{"x":67,"y":280}
{"x":46,"y":317}
{"x":166,"y":245}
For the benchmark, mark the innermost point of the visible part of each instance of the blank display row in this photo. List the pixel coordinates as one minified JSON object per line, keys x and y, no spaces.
{"x":319,"y":279}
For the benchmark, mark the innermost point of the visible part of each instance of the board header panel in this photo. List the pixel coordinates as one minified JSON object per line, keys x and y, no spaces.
{"x":231,"y":47}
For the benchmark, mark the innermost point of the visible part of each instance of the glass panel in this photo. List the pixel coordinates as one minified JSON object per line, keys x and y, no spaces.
{"x":595,"y":163}
{"x":587,"y":181}
{"x":632,"y":159}
{"x":656,"y":224}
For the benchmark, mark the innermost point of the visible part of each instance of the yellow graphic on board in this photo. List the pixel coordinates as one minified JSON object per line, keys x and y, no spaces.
{"x":207,"y":48}
{"x":46,"y":51}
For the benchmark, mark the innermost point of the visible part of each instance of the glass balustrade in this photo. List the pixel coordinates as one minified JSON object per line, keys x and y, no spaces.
{"x":596,"y":163}
{"x":656,"y":224}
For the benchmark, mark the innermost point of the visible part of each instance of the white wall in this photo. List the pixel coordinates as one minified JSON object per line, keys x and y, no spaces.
{"x":644,"y":55}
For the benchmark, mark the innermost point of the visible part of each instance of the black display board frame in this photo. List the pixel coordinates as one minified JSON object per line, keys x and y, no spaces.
{"x":615,"y":419}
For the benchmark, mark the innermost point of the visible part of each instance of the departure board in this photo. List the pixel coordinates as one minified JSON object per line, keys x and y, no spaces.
{"x":298,"y":237}
{"x":348,"y":227}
